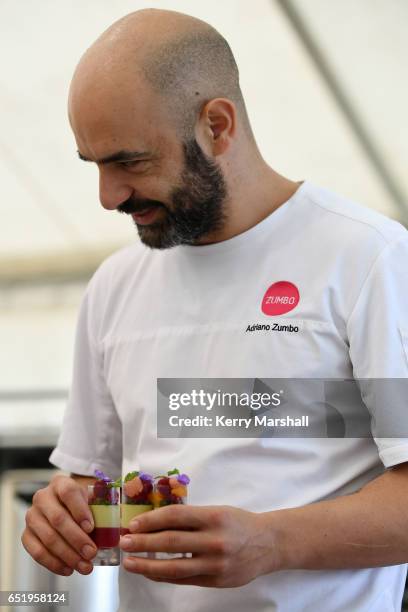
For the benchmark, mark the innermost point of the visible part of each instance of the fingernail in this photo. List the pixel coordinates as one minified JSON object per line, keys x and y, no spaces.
{"x":134,"y":525}
{"x":86,"y":526}
{"x":88,"y":551}
{"x":83,"y":566}
{"x":125,"y":541}
{"x":67,"y":571}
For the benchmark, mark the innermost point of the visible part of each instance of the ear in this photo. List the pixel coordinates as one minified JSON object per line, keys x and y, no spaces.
{"x":217,"y":126}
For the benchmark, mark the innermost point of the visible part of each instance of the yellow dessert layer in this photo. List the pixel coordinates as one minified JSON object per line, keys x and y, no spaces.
{"x":129,"y":511}
{"x":105,"y":516}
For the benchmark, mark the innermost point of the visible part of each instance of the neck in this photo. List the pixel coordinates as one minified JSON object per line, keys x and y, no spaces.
{"x":253,"y":196}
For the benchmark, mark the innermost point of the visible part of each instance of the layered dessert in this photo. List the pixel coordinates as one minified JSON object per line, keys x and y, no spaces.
{"x":168,"y":490}
{"x":137,"y":492}
{"x":113,"y":512}
{"x":104,"y":502}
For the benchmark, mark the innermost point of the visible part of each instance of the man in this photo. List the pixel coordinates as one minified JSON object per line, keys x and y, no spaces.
{"x":283,"y":524}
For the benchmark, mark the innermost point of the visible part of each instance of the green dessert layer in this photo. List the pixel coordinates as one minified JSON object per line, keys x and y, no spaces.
{"x":129,"y":511}
{"x":105,"y":516}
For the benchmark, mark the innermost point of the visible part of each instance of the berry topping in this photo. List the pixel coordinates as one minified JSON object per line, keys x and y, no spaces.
{"x":164,"y":481}
{"x":174,"y":499}
{"x":133,"y":487}
{"x":180,"y":491}
{"x":100,"y":489}
{"x":155,"y":498}
{"x":147,"y":487}
{"x":163,"y":489}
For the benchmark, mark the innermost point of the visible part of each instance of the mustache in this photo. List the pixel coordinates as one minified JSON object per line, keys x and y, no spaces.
{"x":136,"y":206}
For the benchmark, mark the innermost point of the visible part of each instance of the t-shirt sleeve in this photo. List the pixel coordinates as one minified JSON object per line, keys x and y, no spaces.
{"x":378,"y":337}
{"x":91,"y":436}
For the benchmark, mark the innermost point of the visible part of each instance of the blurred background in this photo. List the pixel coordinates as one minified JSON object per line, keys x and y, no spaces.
{"x":326,"y":90}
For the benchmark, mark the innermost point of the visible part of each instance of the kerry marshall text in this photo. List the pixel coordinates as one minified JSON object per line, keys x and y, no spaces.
{"x":223,"y":421}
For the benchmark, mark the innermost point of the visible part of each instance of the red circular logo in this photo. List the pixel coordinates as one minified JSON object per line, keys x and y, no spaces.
{"x":279,"y":298}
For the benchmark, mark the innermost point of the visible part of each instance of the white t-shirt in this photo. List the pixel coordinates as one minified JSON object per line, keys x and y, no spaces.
{"x":184,"y":312}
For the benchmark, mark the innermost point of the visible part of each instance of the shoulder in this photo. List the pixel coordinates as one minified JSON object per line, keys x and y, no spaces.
{"x":357,"y":226}
{"x":120,"y":266}
{"x":120,"y":273}
{"x":113,"y":284}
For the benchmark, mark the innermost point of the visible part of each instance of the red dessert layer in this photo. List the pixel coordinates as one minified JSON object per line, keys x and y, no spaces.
{"x":106,"y":537}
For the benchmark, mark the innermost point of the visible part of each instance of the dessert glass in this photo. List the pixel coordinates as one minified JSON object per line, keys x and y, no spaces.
{"x":137,"y":492}
{"x":104,"y":502}
{"x":169,"y":490}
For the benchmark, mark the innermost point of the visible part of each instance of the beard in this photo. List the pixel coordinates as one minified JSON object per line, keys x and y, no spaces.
{"x":196,"y":207}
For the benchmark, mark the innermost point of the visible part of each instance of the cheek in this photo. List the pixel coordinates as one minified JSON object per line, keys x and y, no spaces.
{"x":148,"y":185}
{"x":156,"y":187}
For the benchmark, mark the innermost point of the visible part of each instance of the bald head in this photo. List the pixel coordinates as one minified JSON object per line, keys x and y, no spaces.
{"x":183,"y":61}
{"x":155,"y":102}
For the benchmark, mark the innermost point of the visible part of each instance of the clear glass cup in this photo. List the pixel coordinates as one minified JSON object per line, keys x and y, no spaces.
{"x":169,"y":490}
{"x":136,"y":499}
{"x":104,"y":502}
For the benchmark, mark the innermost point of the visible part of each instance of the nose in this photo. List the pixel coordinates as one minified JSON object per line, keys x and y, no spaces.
{"x":112,"y":191}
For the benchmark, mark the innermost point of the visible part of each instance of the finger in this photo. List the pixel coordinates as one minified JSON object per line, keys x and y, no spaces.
{"x":170,"y":541}
{"x":41,"y":555}
{"x":174,"y":569}
{"x":75,"y":498}
{"x":176,"y":516}
{"x":54,"y":543}
{"x":61,"y":520}
{"x":203,"y":581}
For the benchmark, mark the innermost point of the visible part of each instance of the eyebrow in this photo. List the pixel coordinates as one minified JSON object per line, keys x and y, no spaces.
{"x":120,"y":156}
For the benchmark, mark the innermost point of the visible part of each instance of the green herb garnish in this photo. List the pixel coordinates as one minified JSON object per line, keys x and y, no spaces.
{"x":171,"y":472}
{"x":131,"y":475}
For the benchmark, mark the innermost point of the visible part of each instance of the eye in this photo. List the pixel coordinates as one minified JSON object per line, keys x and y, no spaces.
{"x":132,"y":163}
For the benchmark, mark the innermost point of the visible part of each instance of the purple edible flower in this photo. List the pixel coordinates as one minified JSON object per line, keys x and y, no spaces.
{"x":101,"y":476}
{"x":145,"y":477}
{"x":183,"y":478}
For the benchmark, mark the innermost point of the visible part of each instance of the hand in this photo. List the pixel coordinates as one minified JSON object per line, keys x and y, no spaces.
{"x":228,"y":545}
{"x":56,"y":528}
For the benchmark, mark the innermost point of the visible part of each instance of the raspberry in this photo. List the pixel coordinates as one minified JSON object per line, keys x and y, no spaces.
{"x":100,"y":489}
{"x":176,"y":500}
{"x":163,"y":489}
{"x":147,"y":487}
{"x":137,"y":499}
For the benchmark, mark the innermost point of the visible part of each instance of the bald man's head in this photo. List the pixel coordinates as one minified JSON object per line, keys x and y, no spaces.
{"x":184,"y":61}
{"x":155,"y":102}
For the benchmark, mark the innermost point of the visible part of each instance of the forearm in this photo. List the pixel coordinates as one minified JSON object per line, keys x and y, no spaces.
{"x":366,"y":529}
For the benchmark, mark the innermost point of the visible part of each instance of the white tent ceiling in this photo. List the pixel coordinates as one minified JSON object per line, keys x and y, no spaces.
{"x":49,"y":200}
{"x":52,"y":226}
